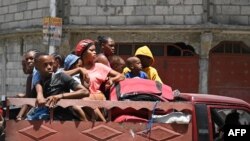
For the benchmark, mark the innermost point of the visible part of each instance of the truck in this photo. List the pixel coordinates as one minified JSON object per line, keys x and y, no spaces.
{"x":207,"y":117}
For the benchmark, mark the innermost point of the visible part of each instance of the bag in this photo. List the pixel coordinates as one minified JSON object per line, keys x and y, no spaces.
{"x":137,"y":89}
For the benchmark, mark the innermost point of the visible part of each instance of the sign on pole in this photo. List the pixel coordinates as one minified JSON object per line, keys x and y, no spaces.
{"x":52,"y":31}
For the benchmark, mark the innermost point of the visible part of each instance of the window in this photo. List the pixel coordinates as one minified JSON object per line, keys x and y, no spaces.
{"x":124,"y":49}
{"x":231,"y":47}
{"x":173,"y":51}
{"x":221,"y":117}
{"x":158,"y":49}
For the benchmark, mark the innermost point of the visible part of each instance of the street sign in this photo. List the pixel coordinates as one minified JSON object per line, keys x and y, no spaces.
{"x":52,"y":31}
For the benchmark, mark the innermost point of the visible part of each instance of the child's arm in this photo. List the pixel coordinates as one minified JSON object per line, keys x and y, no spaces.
{"x":79,"y":92}
{"x":40,"y":98}
{"x":83,"y":73}
{"x":115,"y":76}
{"x":75,"y":71}
{"x":24,"y":108}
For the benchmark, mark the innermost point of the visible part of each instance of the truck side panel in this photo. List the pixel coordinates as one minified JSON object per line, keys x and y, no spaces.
{"x":78,"y":131}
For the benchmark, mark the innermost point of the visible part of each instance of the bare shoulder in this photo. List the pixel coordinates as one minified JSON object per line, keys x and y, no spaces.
{"x":101,"y":58}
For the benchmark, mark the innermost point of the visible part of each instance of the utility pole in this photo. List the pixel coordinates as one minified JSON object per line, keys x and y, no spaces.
{"x":52,"y":9}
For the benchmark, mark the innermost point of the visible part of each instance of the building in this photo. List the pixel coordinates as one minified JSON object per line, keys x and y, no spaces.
{"x":199,"y":45}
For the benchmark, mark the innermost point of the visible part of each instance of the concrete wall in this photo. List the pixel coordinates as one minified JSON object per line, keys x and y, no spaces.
{"x":233,"y":12}
{"x":136,"y":12}
{"x":22,"y":13}
{"x":159,"y":12}
{"x":13,"y":80}
{"x":29,"y":13}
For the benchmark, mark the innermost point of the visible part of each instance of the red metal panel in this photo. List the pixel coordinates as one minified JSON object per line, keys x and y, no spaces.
{"x":98,"y":131}
{"x":229,"y":75}
{"x":78,"y":131}
{"x":182,"y":73}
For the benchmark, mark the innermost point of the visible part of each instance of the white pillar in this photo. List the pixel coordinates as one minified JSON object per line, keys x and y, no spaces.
{"x":52,"y":9}
{"x":206,"y":45}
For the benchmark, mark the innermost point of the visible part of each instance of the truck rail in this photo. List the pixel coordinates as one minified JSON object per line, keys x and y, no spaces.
{"x":96,"y":130}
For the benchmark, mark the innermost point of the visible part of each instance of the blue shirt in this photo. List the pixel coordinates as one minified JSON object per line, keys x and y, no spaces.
{"x":141,"y":75}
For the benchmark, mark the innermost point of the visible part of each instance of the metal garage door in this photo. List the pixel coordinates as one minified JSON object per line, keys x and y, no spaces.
{"x":229,"y":70}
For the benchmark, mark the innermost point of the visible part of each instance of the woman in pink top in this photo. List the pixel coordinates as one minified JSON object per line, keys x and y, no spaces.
{"x":98,"y":72}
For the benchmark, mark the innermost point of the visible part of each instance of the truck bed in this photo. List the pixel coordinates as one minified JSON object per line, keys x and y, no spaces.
{"x":55,"y":130}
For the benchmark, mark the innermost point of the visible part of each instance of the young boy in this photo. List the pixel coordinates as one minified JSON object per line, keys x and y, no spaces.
{"x":53,"y":86}
{"x":147,"y":59}
{"x":135,"y":66}
{"x":117,"y":63}
{"x":59,"y":59}
{"x":72,"y":62}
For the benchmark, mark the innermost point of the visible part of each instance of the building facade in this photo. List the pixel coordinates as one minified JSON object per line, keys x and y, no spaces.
{"x":199,"y":45}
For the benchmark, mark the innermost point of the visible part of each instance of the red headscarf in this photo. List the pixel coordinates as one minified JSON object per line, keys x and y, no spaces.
{"x":82,"y":46}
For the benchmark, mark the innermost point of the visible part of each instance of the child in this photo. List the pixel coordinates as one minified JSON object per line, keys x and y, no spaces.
{"x":72,"y":62}
{"x":135,"y":66}
{"x":117,"y":63}
{"x":147,"y":59}
{"x":57,"y":69}
{"x":53,"y":86}
{"x":58,"y":64}
{"x":59,"y":59}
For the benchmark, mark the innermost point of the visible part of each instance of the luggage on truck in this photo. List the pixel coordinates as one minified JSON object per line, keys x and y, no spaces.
{"x":137,"y":89}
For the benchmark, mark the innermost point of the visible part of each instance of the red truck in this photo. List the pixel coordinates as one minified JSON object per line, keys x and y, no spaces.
{"x":207,"y":112}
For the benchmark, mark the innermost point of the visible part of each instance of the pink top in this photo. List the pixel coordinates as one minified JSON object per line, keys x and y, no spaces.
{"x":97,"y":74}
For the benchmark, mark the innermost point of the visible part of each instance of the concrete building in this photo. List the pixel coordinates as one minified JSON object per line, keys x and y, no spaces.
{"x":207,"y":30}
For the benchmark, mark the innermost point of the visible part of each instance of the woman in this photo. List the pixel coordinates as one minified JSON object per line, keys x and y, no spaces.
{"x":107,"y":46}
{"x":98,"y":72}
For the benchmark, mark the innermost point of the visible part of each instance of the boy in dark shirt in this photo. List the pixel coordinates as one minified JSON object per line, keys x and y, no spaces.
{"x":53,"y":86}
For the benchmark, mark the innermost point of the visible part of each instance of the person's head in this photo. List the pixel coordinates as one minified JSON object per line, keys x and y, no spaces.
{"x":107,"y":45}
{"x":134,"y":64}
{"x":72,"y":61}
{"x":145,"y":55}
{"x":117,"y":63}
{"x":59,"y":60}
{"x":28,"y":61}
{"x":145,"y":61}
{"x":232,"y":118}
{"x":86,"y":50}
{"x":24,"y":65}
{"x":44,"y":63}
